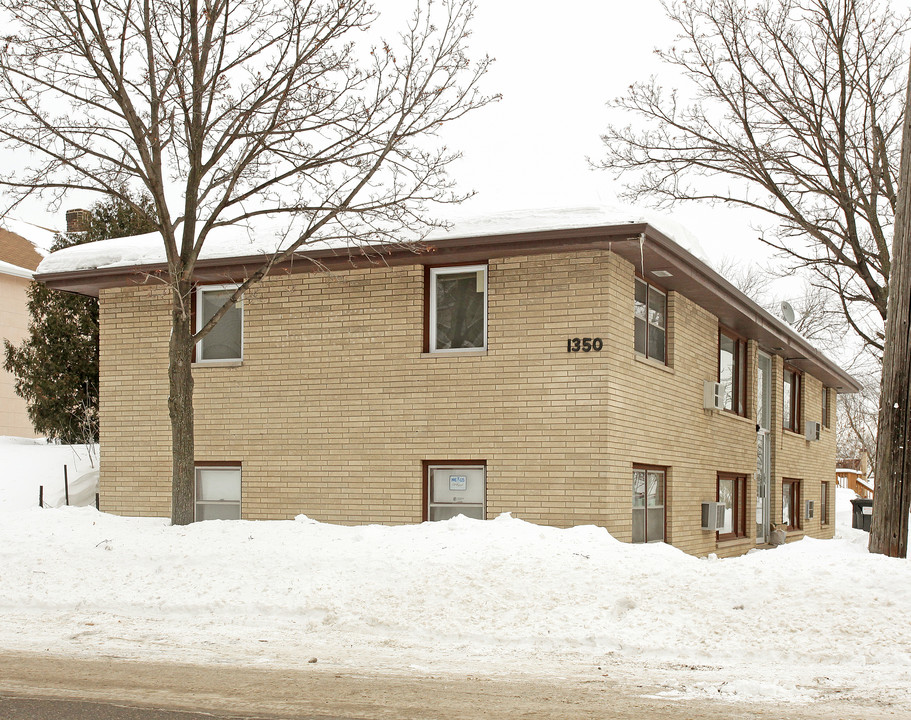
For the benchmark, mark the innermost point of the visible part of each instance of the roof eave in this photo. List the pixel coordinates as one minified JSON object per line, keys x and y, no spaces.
{"x":711,"y":291}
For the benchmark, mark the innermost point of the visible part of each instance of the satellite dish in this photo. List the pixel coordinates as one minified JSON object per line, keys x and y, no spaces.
{"x":787,"y":312}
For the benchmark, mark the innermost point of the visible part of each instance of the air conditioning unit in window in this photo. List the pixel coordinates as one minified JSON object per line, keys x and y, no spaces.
{"x":812,"y":431}
{"x":712,"y":516}
{"x":711,"y":395}
{"x":811,"y":506}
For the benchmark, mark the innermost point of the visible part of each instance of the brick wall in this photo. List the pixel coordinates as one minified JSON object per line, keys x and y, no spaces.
{"x":335,"y":405}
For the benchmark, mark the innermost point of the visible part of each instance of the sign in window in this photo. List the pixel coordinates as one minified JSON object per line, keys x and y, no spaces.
{"x":456,"y":490}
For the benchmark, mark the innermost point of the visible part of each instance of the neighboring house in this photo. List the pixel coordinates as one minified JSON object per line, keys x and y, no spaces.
{"x":854,"y":474}
{"x":564,"y":367}
{"x":18,"y":258}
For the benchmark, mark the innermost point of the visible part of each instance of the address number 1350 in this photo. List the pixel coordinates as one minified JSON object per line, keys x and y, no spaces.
{"x":584,"y":344}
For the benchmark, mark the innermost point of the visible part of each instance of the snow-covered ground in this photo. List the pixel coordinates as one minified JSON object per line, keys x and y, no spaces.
{"x":27,"y":464}
{"x":813,"y":619}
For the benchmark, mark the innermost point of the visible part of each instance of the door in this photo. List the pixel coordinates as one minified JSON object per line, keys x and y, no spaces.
{"x":648,"y":504}
{"x":763,"y":445}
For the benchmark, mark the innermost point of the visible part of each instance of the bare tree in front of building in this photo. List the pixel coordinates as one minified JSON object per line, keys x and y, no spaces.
{"x":226,"y":113}
{"x":796,"y":113}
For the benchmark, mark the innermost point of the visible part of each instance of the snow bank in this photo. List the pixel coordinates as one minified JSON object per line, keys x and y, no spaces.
{"x":265,"y":236}
{"x":26,"y":464}
{"x":502,"y":596}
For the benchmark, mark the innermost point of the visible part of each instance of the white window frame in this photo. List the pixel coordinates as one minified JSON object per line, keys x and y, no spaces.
{"x":200,"y":289}
{"x":197,"y":501}
{"x":453,"y":270}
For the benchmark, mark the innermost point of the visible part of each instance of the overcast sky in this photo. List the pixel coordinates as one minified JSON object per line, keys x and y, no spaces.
{"x":556,"y":66}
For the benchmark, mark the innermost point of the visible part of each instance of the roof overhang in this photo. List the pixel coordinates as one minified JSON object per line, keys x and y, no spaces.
{"x":648,"y":249}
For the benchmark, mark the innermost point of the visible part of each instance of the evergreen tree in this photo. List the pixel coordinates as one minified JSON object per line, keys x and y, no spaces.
{"x":56,"y":366}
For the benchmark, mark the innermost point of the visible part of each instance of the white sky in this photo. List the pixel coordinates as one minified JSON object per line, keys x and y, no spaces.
{"x":556,"y":70}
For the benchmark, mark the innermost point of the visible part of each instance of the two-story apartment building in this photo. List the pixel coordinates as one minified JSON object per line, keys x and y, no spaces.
{"x":571,"y":371}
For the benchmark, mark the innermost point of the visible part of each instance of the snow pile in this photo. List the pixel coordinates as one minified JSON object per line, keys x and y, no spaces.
{"x":266,"y":236}
{"x":502,"y":596}
{"x":26,"y":464}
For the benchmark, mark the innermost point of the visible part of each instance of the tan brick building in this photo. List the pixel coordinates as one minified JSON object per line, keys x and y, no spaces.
{"x":569,"y":376}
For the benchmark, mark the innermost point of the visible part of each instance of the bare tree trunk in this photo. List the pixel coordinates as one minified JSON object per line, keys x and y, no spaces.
{"x":892,"y":496}
{"x":180,"y":405}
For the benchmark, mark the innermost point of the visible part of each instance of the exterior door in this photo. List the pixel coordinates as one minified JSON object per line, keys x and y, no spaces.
{"x":648,"y":504}
{"x":763,"y":445}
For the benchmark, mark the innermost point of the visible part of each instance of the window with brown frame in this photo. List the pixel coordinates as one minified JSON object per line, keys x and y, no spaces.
{"x":826,"y":419}
{"x":824,"y":503}
{"x":217,"y":491}
{"x":455,"y":308}
{"x":732,"y":492}
{"x":226,"y":340}
{"x":732,"y":371}
{"x":651,"y":321}
{"x":648,"y":503}
{"x":790,"y":504}
{"x":455,"y":487}
{"x":790,"y":415}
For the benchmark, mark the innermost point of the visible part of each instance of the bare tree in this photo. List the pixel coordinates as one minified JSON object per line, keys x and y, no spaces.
{"x":797,"y":112}
{"x":817,"y":316}
{"x":225,"y":112}
{"x":857,"y":418}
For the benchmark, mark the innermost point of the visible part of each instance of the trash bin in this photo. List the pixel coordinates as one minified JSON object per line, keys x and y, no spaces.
{"x":863,"y":513}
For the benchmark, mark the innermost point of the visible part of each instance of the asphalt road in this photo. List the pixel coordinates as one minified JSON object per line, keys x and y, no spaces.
{"x":21,"y":708}
{"x":47,"y":687}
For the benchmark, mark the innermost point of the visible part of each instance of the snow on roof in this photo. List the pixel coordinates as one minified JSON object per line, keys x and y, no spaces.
{"x":543,"y":219}
{"x":41,"y":237}
{"x":14,"y":270}
{"x":266,"y":235}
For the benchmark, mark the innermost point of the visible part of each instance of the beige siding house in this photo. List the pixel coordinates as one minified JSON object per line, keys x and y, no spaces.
{"x":18,"y":258}
{"x":571,"y":375}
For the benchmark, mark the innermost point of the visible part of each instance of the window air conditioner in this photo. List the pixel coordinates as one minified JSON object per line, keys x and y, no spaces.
{"x":810,"y":508}
{"x":812,"y":431}
{"x":712,"y":515}
{"x":711,"y":395}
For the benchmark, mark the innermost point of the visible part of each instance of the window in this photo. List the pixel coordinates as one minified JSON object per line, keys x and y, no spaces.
{"x":732,"y":372}
{"x":790,"y":504}
{"x":218,"y":493}
{"x":732,"y":491}
{"x":455,"y":488}
{"x":826,"y":419}
{"x":457,"y":311}
{"x":790,"y":416}
{"x":824,"y":503}
{"x":651,"y":322}
{"x":225,"y":340}
{"x":648,"y":503}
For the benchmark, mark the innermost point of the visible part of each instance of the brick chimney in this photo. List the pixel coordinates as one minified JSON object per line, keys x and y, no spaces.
{"x":77,"y":221}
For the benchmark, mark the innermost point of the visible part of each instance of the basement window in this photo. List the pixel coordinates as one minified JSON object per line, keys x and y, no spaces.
{"x":218,"y":493}
{"x":790,"y":504}
{"x":732,"y":492}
